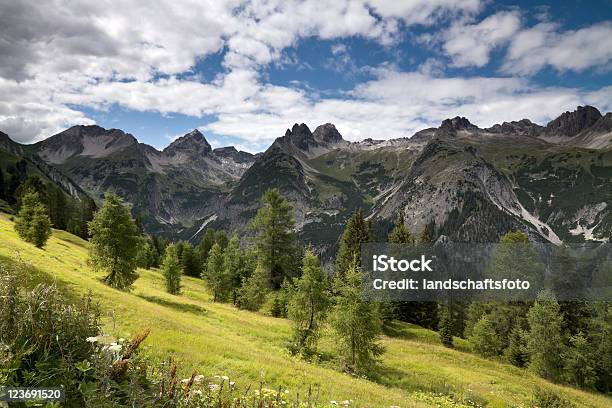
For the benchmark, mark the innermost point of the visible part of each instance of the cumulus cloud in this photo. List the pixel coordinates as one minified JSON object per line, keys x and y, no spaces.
{"x":58,"y":57}
{"x":574,"y":50}
{"x":471,"y":44}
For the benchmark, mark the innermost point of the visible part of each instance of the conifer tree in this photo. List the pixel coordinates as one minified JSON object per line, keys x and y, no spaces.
{"x":425,"y":236}
{"x":545,"y":341}
{"x":234,"y":267}
{"x":254,"y":291}
{"x":33,"y":224}
{"x":203,"y":248}
{"x":356,"y":232}
{"x":221,"y":238}
{"x":356,"y":322}
{"x":309,"y":302}
{"x":171,"y":269}
{"x":399,"y":234}
{"x":516,"y":352}
{"x":2,"y":186}
{"x":276,"y":240}
{"x":114,"y":243}
{"x":580,"y":362}
{"x":484,"y":339}
{"x":189,"y":261}
{"x":445,"y":327}
{"x":215,"y":276}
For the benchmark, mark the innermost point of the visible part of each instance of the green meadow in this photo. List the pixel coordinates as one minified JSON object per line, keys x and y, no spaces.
{"x":218,"y":339}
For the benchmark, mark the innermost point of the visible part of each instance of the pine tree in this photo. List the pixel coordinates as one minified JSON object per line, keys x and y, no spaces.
{"x":309,"y":301}
{"x":171,"y":269}
{"x":483,"y":339}
{"x":399,"y":234}
{"x":445,"y":327}
{"x":215,"y":276}
{"x":114,"y":243}
{"x":234,"y":267}
{"x":356,"y":232}
{"x":189,"y":261}
{"x":516,"y":352}
{"x":254,"y":291}
{"x":356,"y":322}
{"x":276,"y":240}
{"x":221,"y":238}
{"x":580,"y":362}
{"x":425,"y":236}
{"x":203,"y":248}
{"x":33,"y":224}
{"x":545,"y":341}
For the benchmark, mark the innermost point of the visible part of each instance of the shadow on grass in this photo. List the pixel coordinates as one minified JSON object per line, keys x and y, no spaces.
{"x":182,"y":307}
{"x":398,"y":330}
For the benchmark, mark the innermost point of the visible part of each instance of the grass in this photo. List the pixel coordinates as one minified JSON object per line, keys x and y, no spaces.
{"x":416,"y":371}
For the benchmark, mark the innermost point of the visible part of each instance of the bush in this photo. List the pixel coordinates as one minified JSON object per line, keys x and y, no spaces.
{"x":548,"y":399}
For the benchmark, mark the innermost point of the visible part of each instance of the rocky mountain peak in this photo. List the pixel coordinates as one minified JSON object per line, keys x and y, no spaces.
{"x":457,"y":123}
{"x":230,"y":152}
{"x":571,"y":123}
{"x":193,"y":142}
{"x":301,"y":136}
{"x":523,"y":127}
{"x":327,"y":133}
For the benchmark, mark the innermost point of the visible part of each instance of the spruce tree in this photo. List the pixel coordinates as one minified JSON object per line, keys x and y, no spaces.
{"x":189,"y":261}
{"x":2,"y":186}
{"x":254,"y":291}
{"x":483,"y":339}
{"x":399,"y":234}
{"x":545,"y":341}
{"x":516,"y":352}
{"x":114,"y":243}
{"x":580,"y":362}
{"x":356,"y":322}
{"x":215,"y":276}
{"x":445,"y":327}
{"x":33,"y":224}
{"x":276,"y":240}
{"x":171,"y":269}
{"x":203,"y":248}
{"x":309,"y":302}
{"x":425,"y":237}
{"x":221,"y":238}
{"x":356,"y":232}
{"x":234,"y":267}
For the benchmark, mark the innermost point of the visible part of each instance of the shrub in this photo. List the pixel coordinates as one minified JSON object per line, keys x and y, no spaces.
{"x":548,"y":399}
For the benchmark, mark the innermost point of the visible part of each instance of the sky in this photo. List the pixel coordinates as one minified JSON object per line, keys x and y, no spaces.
{"x":244,"y":71}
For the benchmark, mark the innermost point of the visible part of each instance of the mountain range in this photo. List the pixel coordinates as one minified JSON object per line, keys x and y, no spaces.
{"x":464,"y":182}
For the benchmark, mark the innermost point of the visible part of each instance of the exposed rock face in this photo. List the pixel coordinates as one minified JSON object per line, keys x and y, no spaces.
{"x":523,"y":127}
{"x":191,"y":144}
{"x":463,"y":182}
{"x":571,"y":123}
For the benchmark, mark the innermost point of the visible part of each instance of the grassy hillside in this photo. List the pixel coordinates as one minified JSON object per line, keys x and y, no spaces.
{"x":217,"y":339}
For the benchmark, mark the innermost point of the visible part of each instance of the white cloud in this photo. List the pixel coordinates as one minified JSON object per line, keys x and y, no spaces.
{"x":574,"y":50}
{"x":57,"y":56}
{"x":471,"y":44}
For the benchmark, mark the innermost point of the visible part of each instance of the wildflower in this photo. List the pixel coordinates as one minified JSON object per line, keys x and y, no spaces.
{"x":225,"y":377}
{"x":212,"y":386}
{"x":198,"y":378}
{"x":91,"y":339}
{"x":232,"y":383}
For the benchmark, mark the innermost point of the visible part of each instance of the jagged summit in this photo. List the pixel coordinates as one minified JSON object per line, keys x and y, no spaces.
{"x":327,"y":133}
{"x":457,"y":123}
{"x":571,"y":123}
{"x":193,"y":142}
{"x":523,"y":127}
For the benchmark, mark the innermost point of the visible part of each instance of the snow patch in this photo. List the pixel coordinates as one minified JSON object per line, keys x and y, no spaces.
{"x":204,"y":224}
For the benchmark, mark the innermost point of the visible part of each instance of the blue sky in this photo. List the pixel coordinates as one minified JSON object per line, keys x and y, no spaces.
{"x":242,"y":72}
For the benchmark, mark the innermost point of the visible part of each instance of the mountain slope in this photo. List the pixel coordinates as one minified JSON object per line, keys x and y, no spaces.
{"x":217,"y":339}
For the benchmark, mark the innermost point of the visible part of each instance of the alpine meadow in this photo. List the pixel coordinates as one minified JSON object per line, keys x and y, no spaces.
{"x":306,"y":203}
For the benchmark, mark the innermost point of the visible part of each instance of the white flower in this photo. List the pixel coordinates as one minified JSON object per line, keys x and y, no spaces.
{"x":225,"y":377}
{"x":197,"y":392}
{"x":114,"y":347}
{"x":198,"y":378}
{"x":213,"y":386}
{"x":185,"y":380}
{"x":92,"y":339}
